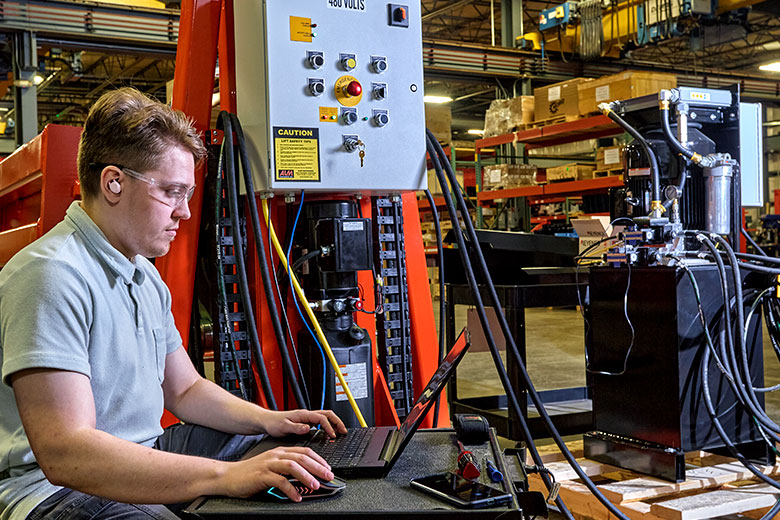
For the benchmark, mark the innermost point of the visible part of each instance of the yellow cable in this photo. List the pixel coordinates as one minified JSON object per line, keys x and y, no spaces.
{"x":312,"y":317}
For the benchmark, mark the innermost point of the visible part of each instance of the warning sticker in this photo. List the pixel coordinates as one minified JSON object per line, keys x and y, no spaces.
{"x":357,"y":381}
{"x":300,"y":29}
{"x":297,"y":154}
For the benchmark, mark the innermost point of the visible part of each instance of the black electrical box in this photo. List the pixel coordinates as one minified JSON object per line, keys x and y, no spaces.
{"x":351,"y":242}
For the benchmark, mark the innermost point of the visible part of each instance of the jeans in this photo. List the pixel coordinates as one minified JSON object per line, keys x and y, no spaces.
{"x":186,"y":439}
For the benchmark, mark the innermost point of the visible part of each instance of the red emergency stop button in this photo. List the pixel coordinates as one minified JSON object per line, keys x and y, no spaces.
{"x":354,"y":88}
{"x":400,"y":14}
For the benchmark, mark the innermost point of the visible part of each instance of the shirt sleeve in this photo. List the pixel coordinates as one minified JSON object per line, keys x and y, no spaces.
{"x":45,"y":318}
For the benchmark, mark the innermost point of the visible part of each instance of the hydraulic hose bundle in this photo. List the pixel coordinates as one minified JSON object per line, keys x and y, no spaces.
{"x":730,"y":355}
{"x":438,"y":157}
{"x":231,"y":126}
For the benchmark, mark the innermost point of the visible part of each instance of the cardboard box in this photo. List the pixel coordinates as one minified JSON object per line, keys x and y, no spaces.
{"x":433,"y":182}
{"x":559,"y":99}
{"x":570,"y":172}
{"x":626,"y":85}
{"x":438,"y":119}
{"x":503,"y":176}
{"x":508,"y":115}
{"x":592,"y":229}
{"x":610,"y":158}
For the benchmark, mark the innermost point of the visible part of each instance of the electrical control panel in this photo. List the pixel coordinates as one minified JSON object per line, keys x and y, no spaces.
{"x":330,"y":94}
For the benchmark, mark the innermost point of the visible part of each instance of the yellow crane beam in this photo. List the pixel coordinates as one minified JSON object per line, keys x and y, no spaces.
{"x":619,"y":23}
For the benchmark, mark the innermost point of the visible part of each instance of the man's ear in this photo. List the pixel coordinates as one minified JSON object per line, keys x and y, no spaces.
{"x":111,"y":183}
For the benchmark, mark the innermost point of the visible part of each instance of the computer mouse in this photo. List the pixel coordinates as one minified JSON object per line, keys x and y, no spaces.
{"x":336,"y":483}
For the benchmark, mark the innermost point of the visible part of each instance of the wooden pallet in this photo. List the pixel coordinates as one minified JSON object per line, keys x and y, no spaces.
{"x":608,"y":173}
{"x":552,"y":121}
{"x":715,"y":486}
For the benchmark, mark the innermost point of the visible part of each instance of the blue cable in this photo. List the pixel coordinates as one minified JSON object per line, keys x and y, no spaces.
{"x":295,"y":301}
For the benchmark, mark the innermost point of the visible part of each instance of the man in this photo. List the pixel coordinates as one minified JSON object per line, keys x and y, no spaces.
{"x":90,"y":354}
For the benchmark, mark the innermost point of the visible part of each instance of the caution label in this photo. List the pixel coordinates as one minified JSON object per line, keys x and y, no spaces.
{"x":297,"y":154}
{"x":357,"y":380}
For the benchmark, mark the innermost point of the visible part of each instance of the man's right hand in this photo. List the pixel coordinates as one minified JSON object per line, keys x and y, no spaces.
{"x":273,"y":468}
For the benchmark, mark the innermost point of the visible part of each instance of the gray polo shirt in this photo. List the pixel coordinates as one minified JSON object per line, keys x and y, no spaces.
{"x":71,"y":301}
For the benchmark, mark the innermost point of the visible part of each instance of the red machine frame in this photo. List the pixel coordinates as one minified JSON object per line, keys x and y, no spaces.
{"x":205,"y":31}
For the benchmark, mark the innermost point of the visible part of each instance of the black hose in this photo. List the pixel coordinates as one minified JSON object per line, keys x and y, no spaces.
{"x":305,"y":258}
{"x":746,"y":398}
{"x":265,"y":275}
{"x":472,"y":281}
{"x":752,"y":242}
{"x":442,"y":301}
{"x":238,"y":247}
{"x":477,"y":252}
{"x":719,"y":428}
{"x":654,"y":171}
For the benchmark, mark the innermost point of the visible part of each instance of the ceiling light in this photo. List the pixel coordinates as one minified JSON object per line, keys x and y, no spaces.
{"x":437,"y":99}
{"x":476,"y":131}
{"x":771,"y":67}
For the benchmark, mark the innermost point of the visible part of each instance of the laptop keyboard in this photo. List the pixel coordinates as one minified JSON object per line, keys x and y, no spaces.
{"x":345,"y":450}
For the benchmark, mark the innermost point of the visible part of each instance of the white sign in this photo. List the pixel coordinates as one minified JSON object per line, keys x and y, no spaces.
{"x":352,"y":225}
{"x":554,"y":93}
{"x":612,"y":156}
{"x":602,"y":93}
{"x":348,"y":5}
{"x":357,"y":381}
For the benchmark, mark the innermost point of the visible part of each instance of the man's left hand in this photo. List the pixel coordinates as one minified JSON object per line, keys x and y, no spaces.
{"x":298,"y":422}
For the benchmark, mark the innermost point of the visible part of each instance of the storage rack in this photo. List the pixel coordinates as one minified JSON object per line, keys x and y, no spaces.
{"x":587,"y":128}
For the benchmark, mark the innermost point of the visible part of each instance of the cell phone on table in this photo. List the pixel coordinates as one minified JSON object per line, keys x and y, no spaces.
{"x":460,"y":491}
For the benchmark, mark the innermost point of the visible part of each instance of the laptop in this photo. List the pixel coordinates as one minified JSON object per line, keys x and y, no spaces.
{"x":372,"y":452}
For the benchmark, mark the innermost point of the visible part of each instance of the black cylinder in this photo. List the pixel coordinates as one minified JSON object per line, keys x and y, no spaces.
{"x":351,"y":347}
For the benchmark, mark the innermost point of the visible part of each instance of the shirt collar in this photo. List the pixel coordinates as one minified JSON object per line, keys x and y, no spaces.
{"x":127,"y":270}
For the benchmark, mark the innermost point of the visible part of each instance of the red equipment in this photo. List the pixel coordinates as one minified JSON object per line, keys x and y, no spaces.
{"x":206,"y":27}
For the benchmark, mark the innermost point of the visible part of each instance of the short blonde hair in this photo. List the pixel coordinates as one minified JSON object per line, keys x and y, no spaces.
{"x":126,"y":127}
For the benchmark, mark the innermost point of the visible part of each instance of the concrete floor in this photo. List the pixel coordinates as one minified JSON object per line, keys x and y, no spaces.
{"x":555,"y":359}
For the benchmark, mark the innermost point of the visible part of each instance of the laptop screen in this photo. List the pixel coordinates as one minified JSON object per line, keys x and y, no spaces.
{"x":428,"y":397}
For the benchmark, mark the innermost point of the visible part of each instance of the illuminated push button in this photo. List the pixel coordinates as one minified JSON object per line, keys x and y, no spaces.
{"x":381,"y":119}
{"x":350,"y":117}
{"x":317,"y":88}
{"x":379,"y":65}
{"x":316,"y":61}
{"x":348,"y":63}
{"x":399,"y":14}
{"x":354,"y":89}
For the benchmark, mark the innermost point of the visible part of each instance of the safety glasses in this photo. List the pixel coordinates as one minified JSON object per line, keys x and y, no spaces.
{"x":172,"y":195}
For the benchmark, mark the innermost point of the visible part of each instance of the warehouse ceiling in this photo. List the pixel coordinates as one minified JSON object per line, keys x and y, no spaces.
{"x":728,"y":48}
